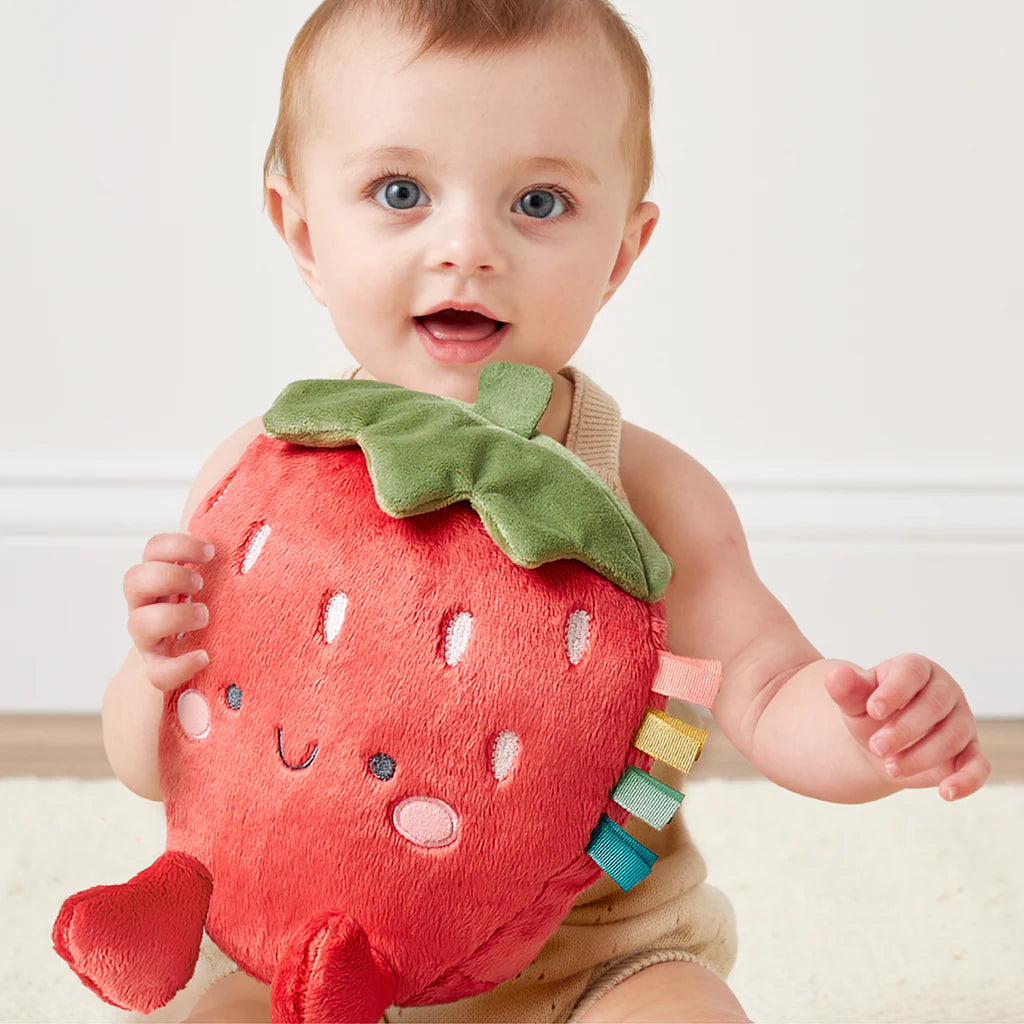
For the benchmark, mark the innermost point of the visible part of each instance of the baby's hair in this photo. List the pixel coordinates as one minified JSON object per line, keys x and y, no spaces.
{"x":473,"y":28}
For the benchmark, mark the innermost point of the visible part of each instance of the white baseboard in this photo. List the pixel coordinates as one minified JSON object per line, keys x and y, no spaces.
{"x":867,"y":568}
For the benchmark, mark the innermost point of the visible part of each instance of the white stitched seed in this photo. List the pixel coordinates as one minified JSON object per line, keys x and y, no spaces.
{"x":577,"y":630}
{"x":224,"y":491}
{"x":255,"y":547}
{"x":457,"y":637}
{"x":334,"y":616}
{"x":506,"y":746}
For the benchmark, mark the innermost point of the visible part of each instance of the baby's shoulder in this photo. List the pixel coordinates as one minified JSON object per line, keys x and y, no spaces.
{"x":650,"y":464}
{"x":669,"y":490}
{"x":221,"y":461}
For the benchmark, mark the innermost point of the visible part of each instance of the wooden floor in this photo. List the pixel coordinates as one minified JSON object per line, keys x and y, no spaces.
{"x":51,"y":745}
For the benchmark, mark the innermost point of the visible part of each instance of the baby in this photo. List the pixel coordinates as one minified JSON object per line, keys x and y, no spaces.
{"x":463,"y":182}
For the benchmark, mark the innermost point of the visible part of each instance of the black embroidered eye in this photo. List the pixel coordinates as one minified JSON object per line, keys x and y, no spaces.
{"x":233,"y":695}
{"x":382,"y":766}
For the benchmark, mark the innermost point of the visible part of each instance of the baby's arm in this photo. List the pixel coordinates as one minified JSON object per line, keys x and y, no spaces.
{"x":134,"y":698}
{"x":799,"y":718}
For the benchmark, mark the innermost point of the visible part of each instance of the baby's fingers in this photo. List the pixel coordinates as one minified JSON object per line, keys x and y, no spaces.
{"x":929,"y":707}
{"x":972,"y":770}
{"x":151,"y":623}
{"x":161,"y":573}
{"x":154,"y":582}
{"x":177,"y":547}
{"x":170,"y":673}
{"x":945,"y":743}
{"x":899,"y":680}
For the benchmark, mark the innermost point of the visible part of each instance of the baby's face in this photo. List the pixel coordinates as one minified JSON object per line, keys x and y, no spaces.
{"x":436,"y":184}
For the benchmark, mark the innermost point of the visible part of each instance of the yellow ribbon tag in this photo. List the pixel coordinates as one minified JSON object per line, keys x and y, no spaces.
{"x":670,"y":740}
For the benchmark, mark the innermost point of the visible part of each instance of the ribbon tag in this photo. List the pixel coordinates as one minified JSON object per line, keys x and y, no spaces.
{"x":618,"y":854}
{"x":695,"y":680}
{"x":670,"y":740}
{"x":646,"y":797}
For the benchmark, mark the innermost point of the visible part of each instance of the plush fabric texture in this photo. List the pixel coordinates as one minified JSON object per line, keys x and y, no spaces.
{"x":405,"y":743}
{"x":384,"y":686}
{"x":331,"y":973}
{"x":136,"y":944}
{"x":425,"y":453}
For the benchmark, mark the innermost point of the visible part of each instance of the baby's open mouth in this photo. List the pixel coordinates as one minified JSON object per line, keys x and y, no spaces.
{"x":459,"y":325}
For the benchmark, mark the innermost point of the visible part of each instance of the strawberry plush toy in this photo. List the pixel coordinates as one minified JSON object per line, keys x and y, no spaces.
{"x":438,"y":676}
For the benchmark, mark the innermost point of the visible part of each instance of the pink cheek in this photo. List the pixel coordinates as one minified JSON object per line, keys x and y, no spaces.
{"x":194,"y":714}
{"x":426,"y":821}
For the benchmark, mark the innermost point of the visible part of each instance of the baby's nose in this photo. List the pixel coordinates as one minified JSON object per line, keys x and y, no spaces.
{"x":467,"y":242}
{"x":426,"y":821}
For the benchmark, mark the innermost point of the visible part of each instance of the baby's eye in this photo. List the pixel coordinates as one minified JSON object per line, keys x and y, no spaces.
{"x":400,"y":194}
{"x":539,"y":202}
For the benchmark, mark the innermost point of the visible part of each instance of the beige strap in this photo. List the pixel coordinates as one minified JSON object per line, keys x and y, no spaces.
{"x":595,"y":428}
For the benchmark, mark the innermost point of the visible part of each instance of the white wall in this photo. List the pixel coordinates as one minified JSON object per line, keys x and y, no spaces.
{"x":830,"y":315}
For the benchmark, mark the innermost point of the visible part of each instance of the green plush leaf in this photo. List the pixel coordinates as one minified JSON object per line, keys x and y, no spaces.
{"x":538,"y":501}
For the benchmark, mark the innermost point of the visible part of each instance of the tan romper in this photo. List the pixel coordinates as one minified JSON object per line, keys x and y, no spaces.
{"x":673,"y":914}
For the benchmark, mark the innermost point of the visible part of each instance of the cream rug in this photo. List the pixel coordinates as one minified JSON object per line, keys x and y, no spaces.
{"x":908,"y":909}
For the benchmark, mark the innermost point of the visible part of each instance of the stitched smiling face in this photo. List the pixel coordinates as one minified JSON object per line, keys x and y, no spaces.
{"x":397,"y":722}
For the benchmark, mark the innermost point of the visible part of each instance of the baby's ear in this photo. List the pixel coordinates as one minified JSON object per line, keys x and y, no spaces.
{"x":642,"y":224}
{"x":287,"y":214}
{"x":634,"y":240}
{"x":279,"y":195}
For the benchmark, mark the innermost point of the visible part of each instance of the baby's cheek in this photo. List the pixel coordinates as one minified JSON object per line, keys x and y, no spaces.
{"x":194,"y":714}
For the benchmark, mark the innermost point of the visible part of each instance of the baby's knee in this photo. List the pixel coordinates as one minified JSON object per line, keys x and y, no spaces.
{"x":236,"y":998}
{"x":671,"y":990}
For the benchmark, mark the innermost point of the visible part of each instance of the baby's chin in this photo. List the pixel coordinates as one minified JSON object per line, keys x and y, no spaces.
{"x":451,"y":380}
{"x":457,"y":380}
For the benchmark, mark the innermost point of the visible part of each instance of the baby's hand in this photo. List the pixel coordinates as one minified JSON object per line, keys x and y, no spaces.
{"x":913,"y":721}
{"x":148,"y":589}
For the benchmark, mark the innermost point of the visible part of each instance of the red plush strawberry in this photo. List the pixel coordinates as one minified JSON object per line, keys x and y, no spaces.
{"x":438,"y":676}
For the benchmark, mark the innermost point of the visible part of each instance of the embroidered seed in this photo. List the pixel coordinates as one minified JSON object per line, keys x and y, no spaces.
{"x":255,"y":547}
{"x":506,"y":746}
{"x":577,"y":631}
{"x":223,"y":491}
{"x":457,"y":637}
{"x":334,"y":616}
